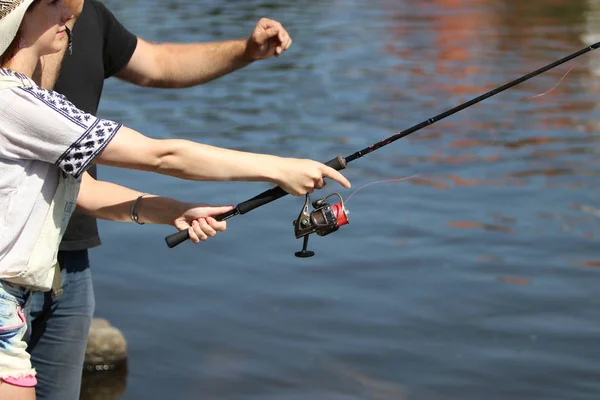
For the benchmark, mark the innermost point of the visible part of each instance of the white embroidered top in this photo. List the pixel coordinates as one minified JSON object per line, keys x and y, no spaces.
{"x":45,"y":145}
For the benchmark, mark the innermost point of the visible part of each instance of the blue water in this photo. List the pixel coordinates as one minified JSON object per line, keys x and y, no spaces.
{"x":477,"y":278}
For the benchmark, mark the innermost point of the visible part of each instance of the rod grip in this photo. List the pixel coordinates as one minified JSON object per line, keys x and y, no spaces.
{"x":265,"y":197}
{"x":177,"y":238}
{"x":337,"y":163}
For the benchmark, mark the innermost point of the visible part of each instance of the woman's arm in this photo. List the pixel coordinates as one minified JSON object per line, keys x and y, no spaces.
{"x":194,"y":161}
{"x":113,"y":202}
{"x":63,"y":135}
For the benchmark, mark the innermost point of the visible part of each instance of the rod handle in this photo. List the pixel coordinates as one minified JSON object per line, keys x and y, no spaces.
{"x":338,"y":163}
{"x":177,"y":238}
{"x":265,"y":197}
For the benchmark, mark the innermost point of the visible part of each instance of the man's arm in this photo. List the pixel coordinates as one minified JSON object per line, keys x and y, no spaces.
{"x":48,"y":68}
{"x":172,"y":65}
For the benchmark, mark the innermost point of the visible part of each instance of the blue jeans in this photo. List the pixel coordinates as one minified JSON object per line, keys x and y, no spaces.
{"x":59,"y":328}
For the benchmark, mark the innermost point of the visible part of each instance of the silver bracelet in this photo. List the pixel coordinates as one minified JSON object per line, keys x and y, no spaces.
{"x":132,"y":213}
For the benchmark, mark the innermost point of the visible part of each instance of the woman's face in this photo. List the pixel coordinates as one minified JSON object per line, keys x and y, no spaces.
{"x":43,"y":26}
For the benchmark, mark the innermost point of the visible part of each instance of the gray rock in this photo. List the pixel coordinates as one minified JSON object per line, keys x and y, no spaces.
{"x":105,"y":368}
{"x":106,"y":348}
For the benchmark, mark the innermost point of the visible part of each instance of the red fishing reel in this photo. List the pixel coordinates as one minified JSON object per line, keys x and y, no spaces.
{"x":324,"y":219}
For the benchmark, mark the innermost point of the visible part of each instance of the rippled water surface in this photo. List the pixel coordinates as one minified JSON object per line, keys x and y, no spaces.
{"x":477,"y":278}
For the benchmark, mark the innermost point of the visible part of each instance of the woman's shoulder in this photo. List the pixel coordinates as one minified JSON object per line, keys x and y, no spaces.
{"x":10,"y":78}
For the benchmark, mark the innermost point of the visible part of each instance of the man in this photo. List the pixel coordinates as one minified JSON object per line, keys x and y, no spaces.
{"x":102,"y":48}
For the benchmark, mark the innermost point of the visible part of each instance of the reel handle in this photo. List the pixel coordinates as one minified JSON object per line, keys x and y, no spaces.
{"x":265,"y":197}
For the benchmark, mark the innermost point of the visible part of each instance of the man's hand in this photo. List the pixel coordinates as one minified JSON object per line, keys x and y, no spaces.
{"x":269,"y":38}
{"x":76,"y":6}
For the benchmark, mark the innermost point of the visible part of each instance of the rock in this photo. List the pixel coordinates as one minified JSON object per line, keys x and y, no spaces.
{"x":106,"y":348}
{"x":105,"y":367}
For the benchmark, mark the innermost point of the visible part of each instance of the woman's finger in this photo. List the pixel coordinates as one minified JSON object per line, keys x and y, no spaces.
{"x":219,"y":226}
{"x":192,"y":234}
{"x":206,"y":228}
{"x":198,"y":231}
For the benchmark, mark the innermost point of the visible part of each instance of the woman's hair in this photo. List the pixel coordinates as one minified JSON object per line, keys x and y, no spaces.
{"x":11,"y":50}
{"x":14,"y":45}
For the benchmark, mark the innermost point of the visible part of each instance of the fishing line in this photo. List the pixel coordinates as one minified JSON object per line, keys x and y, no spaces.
{"x":554,"y":87}
{"x":340,"y":163}
{"x":488,"y":145}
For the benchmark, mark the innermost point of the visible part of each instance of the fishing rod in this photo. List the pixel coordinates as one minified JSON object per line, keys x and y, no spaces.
{"x":325,"y":218}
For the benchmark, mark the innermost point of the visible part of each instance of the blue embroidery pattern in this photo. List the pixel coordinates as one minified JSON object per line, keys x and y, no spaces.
{"x":97,"y":134}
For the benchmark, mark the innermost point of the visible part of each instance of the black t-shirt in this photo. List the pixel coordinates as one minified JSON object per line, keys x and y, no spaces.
{"x":101,"y":48}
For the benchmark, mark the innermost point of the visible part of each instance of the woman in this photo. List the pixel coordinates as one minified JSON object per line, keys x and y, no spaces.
{"x":46,"y":145}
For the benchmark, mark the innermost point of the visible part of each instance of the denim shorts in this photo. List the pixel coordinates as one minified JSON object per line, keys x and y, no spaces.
{"x":15,"y":363}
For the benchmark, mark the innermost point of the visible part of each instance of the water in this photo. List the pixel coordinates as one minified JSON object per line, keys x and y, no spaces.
{"x":477,"y":278}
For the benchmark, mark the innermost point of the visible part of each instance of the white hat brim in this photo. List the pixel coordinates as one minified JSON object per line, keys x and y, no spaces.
{"x":9,"y":25}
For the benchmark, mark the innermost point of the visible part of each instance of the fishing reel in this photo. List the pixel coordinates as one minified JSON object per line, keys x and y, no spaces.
{"x":324,"y":219}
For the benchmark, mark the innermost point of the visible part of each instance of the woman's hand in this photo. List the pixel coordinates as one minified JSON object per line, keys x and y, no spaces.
{"x":300,"y":176}
{"x":198,"y":220}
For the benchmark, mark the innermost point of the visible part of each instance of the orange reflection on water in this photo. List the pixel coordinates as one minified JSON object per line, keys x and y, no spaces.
{"x":592,"y":264}
{"x":462,"y":143}
{"x":488,"y":258}
{"x":457,"y":29}
{"x":515,"y":280}
{"x":429,"y":183}
{"x":555,"y":172}
{"x":437,"y":182}
{"x":458,"y":181}
{"x":479,"y":225}
{"x":531,"y":141}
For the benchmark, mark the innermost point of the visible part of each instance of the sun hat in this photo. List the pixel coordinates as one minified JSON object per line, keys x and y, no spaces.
{"x":11,"y":15}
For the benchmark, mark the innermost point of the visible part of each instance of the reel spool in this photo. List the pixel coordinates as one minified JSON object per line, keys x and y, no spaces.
{"x":322,"y":220}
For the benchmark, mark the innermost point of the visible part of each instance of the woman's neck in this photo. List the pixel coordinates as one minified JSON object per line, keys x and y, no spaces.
{"x":25,"y":62}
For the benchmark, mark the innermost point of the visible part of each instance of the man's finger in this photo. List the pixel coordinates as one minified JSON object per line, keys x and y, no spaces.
{"x":284,"y":40}
{"x":266,"y":23}
{"x":263,"y":35}
{"x":282,"y":35}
